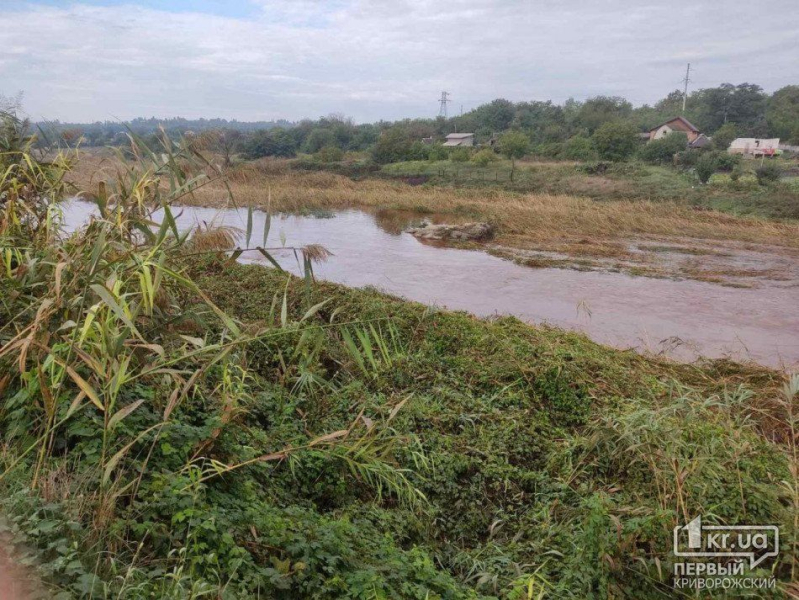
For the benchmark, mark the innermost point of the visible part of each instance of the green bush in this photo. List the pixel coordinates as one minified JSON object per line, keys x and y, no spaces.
{"x":514,"y":144}
{"x":724,"y":136}
{"x":579,"y":148}
{"x":662,"y":151}
{"x":329,"y":154}
{"x":418,"y":151}
{"x":460,"y":155}
{"x":687,"y":158}
{"x":484,"y":157}
{"x":615,"y":141}
{"x":393,"y":145}
{"x":727,"y":162}
{"x":548,"y":150}
{"x":706,"y":166}
{"x":437,"y":152}
{"x":768,"y":173}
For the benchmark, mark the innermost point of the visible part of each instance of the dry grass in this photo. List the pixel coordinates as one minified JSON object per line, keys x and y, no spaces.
{"x":523,"y":220}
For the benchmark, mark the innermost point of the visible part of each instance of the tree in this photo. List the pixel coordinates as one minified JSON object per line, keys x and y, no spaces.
{"x":273,"y":142}
{"x":615,"y":140}
{"x":662,"y":151}
{"x":597,"y":111}
{"x":744,"y":105}
{"x":782,"y":114}
{"x":579,"y":147}
{"x":513,"y":145}
{"x":724,"y":136}
{"x":392,"y":146}
{"x":223,"y":141}
{"x":318,"y":139}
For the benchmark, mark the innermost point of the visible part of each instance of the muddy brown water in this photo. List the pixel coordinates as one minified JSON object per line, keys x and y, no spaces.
{"x":682,"y":319}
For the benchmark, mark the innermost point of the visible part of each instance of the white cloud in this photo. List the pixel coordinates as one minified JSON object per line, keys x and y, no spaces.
{"x":381,"y":58}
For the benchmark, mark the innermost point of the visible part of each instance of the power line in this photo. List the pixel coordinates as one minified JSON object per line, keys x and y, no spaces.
{"x":686,"y":81}
{"x":442,"y":111}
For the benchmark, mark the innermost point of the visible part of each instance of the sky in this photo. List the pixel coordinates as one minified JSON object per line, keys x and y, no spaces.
{"x":376,"y":59}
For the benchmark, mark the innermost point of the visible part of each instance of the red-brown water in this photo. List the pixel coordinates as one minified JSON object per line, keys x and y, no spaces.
{"x":683,"y":319}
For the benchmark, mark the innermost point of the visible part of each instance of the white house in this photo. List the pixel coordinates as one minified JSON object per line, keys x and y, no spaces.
{"x":459,"y":139}
{"x":755,"y":146}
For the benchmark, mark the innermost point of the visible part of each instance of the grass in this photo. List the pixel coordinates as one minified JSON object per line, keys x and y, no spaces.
{"x":177,"y":425}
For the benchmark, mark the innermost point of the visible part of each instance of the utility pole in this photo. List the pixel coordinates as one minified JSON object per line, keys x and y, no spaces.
{"x":442,"y":111}
{"x":685,"y":81}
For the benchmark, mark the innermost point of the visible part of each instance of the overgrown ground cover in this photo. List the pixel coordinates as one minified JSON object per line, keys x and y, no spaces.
{"x":621,"y":181}
{"x":538,"y":229}
{"x":179,"y":425}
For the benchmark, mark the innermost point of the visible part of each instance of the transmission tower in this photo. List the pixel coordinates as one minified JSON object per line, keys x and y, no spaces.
{"x":442,"y":111}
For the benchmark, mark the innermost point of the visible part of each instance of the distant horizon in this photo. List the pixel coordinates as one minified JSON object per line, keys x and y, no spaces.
{"x":336,"y":115}
{"x":373,"y":60}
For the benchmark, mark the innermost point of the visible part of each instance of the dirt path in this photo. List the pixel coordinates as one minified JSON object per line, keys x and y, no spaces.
{"x":16,"y":581}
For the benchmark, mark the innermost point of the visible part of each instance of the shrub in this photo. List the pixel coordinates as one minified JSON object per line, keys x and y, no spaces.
{"x":687,"y":158}
{"x":514,"y":144}
{"x":393,"y":145}
{"x":460,"y":155}
{"x":484,"y":157}
{"x":579,"y":148}
{"x":548,"y":150}
{"x":437,"y":152}
{"x":706,"y":166}
{"x":768,"y":173}
{"x":329,"y":154}
{"x":727,"y":162}
{"x":418,"y":151}
{"x":274,"y":142}
{"x":615,"y":141}
{"x":662,"y":151}
{"x":724,"y":136}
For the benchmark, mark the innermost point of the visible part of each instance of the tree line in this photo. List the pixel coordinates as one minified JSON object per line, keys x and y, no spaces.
{"x":573,"y":130}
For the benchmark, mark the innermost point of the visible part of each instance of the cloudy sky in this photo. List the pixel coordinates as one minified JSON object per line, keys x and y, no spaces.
{"x":373,"y":59}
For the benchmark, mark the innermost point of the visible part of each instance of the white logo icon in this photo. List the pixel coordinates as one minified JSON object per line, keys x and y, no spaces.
{"x":755,"y":542}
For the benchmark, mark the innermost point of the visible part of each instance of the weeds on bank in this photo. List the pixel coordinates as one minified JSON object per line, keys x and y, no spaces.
{"x":178,"y":425}
{"x":108,"y":350}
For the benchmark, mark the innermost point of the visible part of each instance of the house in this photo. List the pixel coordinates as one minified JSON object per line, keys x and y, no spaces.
{"x":755,"y":146}
{"x":701,"y":141}
{"x":459,"y":139}
{"x":672,"y":125}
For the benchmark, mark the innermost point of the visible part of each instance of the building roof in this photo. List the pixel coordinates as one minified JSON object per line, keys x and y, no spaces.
{"x":459,"y":136}
{"x":683,"y":120}
{"x":758,"y":142}
{"x":700,"y":142}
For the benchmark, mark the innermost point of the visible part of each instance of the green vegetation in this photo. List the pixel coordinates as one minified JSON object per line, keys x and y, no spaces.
{"x":706,"y":166}
{"x":768,"y":173}
{"x":733,"y":189}
{"x":662,"y":151}
{"x":484,"y":157}
{"x":177,"y":425}
{"x":615,"y":140}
